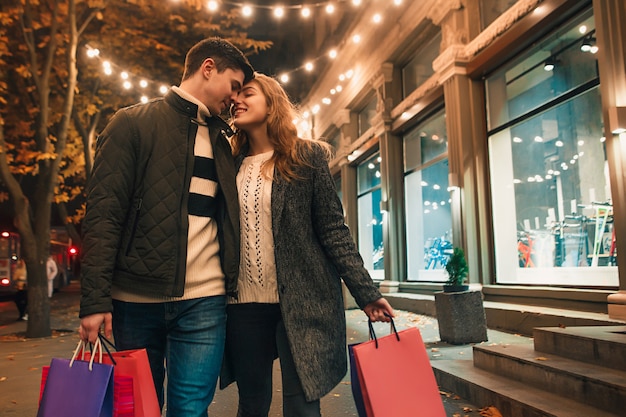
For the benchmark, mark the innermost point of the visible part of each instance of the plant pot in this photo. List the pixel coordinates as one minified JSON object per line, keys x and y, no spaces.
{"x":455,"y":287}
{"x":461,"y":317}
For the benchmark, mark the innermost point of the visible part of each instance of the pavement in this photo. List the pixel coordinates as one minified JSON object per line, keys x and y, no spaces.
{"x":21,"y":360}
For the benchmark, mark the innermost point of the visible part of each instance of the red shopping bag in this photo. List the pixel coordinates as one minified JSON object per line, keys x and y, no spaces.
{"x":396,"y":377}
{"x":135,"y":364}
{"x":123,"y":399}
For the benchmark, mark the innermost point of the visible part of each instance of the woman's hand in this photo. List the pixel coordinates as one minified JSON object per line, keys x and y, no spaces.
{"x":379,"y":310}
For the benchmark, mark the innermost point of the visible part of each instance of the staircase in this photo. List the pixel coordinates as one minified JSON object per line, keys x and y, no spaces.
{"x":567,"y":372}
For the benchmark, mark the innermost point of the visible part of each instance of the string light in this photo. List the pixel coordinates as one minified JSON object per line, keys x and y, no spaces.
{"x":279,"y":12}
{"x":125,"y":76}
{"x":246,"y":10}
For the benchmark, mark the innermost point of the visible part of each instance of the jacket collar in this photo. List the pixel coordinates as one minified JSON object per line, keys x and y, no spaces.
{"x":190,"y":109}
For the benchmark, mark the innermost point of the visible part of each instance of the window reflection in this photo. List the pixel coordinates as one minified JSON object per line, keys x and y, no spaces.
{"x":429,"y":220}
{"x":366,"y":115}
{"x":370,"y":216}
{"x":550,"y":185}
{"x":420,"y":68}
{"x":490,"y":10}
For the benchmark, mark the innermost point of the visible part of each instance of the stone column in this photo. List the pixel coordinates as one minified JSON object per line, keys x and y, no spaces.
{"x":467,"y":143}
{"x":346,"y":122}
{"x":611,"y":38}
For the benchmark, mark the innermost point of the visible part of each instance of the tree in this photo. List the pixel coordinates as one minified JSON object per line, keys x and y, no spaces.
{"x":50,"y":111}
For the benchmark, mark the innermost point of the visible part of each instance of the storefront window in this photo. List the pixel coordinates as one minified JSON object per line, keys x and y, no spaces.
{"x":552,"y":208}
{"x":366,"y":115}
{"x":490,"y":10}
{"x":335,"y":141}
{"x":429,"y":220}
{"x":420,"y":68}
{"x":370,"y":217}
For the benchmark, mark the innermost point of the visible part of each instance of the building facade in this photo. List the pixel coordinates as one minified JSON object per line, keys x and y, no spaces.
{"x":492,"y":125}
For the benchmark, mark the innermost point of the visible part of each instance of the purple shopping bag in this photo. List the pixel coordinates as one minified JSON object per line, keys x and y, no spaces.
{"x":77,"y":388}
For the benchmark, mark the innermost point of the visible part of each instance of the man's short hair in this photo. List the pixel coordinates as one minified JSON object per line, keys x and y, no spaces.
{"x":225,"y":54}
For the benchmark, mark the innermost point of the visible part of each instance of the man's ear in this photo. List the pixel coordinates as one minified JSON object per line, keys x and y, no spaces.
{"x":207,"y":67}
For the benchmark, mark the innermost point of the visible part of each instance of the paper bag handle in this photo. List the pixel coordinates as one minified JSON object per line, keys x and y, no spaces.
{"x":392,"y":330}
{"x":82,"y":345}
{"x":103,"y":344}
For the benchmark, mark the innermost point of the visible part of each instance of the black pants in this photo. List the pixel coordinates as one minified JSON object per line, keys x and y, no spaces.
{"x":255,"y":336}
{"x":21,"y":301}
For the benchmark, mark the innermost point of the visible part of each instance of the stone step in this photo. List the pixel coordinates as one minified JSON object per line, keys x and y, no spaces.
{"x":600,"y":345}
{"x":591,"y":384}
{"x":512,"y":398}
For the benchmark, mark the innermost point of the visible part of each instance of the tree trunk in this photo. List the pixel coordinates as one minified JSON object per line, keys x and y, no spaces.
{"x":38,"y":302}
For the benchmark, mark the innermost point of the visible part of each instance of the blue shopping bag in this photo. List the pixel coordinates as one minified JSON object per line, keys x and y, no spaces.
{"x":355,"y":384}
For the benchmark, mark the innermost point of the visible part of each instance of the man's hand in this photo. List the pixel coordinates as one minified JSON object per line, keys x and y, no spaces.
{"x":90,"y":326}
{"x":376,"y":310}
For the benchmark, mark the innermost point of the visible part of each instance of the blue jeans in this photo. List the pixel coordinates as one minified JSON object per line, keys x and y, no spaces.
{"x":184,"y":339}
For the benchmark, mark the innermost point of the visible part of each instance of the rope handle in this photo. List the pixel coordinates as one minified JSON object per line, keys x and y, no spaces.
{"x":391,"y":330}
{"x":95,"y":349}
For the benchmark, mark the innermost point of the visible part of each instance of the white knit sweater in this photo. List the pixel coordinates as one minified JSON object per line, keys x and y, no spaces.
{"x":257,"y":268}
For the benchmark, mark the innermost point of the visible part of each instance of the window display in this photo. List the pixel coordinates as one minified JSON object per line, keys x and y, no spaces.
{"x":371,"y":245}
{"x":550,"y":185}
{"x":429,"y":220}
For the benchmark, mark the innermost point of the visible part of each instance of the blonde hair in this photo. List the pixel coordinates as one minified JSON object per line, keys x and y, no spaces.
{"x":289,"y":150}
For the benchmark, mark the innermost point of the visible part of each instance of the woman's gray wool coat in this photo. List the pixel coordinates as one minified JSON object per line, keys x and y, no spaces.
{"x":314,"y":251}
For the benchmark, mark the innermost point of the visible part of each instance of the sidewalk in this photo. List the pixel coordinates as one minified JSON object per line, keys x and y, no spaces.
{"x":21,"y":361}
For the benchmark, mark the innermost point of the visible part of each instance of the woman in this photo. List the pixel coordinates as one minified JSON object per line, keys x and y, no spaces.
{"x":21,"y":294}
{"x":295,"y":249}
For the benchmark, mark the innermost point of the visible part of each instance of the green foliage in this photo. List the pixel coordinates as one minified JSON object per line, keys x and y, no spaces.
{"x":457,"y":268}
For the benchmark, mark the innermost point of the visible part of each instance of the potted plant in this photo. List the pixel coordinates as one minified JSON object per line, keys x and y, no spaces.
{"x":460,"y":312}
{"x":457,"y":270}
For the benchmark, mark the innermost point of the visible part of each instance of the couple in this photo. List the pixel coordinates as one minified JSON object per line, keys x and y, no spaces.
{"x":180,"y":235}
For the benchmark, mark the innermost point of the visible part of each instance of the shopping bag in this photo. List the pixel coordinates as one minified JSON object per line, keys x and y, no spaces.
{"x":355,"y":384}
{"x":77,"y":388}
{"x":395,"y":376}
{"x":135,"y":364}
{"x":123,"y":399}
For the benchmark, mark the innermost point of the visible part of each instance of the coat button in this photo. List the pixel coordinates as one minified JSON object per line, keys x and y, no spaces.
{"x":282,"y":289}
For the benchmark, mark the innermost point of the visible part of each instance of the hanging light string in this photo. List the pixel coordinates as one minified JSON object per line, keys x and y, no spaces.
{"x":130,"y":81}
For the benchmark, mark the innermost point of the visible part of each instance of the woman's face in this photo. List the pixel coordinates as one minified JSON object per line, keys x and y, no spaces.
{"x":251,"y":108}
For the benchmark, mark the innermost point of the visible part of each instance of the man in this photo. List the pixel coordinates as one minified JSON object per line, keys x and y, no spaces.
{"x":51,"y":271}
{"x":161,"y":231}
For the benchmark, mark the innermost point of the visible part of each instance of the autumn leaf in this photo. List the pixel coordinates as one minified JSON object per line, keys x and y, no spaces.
{"x":490,"y":411}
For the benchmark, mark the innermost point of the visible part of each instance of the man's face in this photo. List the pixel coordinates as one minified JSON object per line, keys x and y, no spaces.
{"x":221,"y":89}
